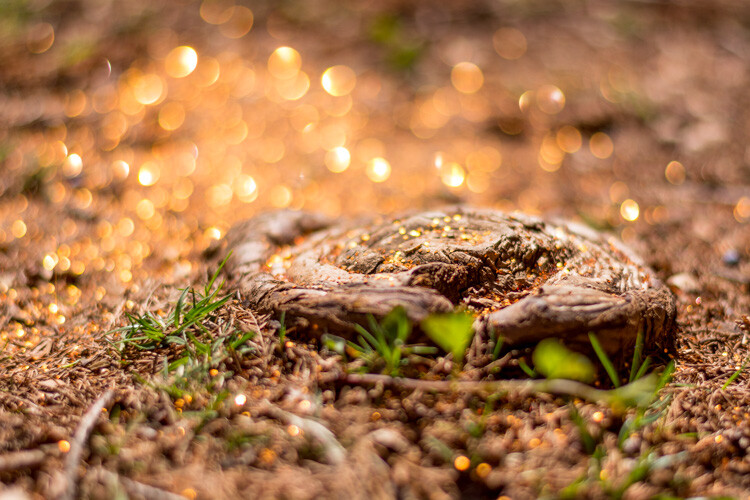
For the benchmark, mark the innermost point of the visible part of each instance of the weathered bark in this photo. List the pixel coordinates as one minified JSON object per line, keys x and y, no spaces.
{"x":523,"y":277}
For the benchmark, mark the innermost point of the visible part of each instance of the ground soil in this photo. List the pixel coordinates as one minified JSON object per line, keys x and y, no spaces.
{"x":118,"y":173}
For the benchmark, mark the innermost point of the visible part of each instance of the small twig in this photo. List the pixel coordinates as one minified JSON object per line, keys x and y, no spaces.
{"x":21,"y":459}
{"x":334,"y":452}
{"x":135,"y":488}
{"x":553,"y":386}
{"x":79,"y":442}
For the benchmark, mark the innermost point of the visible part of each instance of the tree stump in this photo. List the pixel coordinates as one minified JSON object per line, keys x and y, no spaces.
{"x":523,"y":278}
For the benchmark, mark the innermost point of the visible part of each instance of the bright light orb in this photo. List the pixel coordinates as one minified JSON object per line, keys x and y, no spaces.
{"x":337,"y":159}
{"x":378,"y":169}
{"x":338,"y":80}
{"x":284,"y":63}
{"x":181,"y":61}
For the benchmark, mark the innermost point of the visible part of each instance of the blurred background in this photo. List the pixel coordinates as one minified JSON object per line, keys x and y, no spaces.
{"x":132,"y":134}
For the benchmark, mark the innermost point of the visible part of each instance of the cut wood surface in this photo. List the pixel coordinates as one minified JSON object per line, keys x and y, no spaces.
{"x":523,"y":277}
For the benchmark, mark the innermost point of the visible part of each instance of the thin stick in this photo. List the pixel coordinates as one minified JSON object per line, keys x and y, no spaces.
{"x":79,"y":442}
{"x":21,"y":459}
{"x":553,"y":386}
{"x":135,"y":488}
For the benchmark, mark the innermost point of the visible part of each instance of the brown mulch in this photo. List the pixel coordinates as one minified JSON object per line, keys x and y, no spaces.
{"x":81,"y":248}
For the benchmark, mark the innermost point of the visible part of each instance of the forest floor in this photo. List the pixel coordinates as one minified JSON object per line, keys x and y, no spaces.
{"x":134,"y":134}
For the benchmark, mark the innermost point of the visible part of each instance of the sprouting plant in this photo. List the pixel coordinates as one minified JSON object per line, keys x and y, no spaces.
{"x":650,"y":412}
{"x":451,"y":331}
{"x":383,"y":348}
{"x":639,"y":365}
{"x":604,"y":359}
{"x":185,"y":326}
{"x":554,"y":360}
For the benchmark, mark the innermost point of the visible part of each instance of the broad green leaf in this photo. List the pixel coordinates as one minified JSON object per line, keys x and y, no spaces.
{"x":333,"y":343}
{"x":451,"y":331}
{"x":397,"y":324}
{"x":554,"y":360}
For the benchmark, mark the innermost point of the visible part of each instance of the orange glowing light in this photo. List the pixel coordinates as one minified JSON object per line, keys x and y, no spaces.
{"x":148,"y":89}
{"x":524,"y":101}
{"x":125,"y":227}
{"x":171,"y":116}
{"x":219,"y":195}
{"x":629,"y":210}
{"x":601,"y":145}
{"x":338,"y":80}
{"x":466,"y":77}
{"x":284,"y":63}
{"x":293,"y":430}
{"x":75,"y":103}
{"x":569,"y":139}
{"x":509,"y":43}
{"x":72,"y":165}
{"x":281,"y":196}
{"x":742,"y":209}
{"x":145,"y":209}
{"x":483,"y":470}
{"x":550,"y":154}
{"x":461,"y":463}
{"x":50,"y":261}
{"x":216,"y":11}
{"x":18,"y":229}
{"x":550,"y":99}
{"x":239,"y":23}
{"x":189,"y":493}
{"x":378,"y":169}
{"x":337,"y":159}
{"x":240,"y":400}
{"x":63,"y":445}
{"x":213,"y":233}
{"x":453,"y":175}
{"x":245,"y":188}
{"x":181,"y":61}
{"x":149,"y":173}
{"x":675,"y":172}
{"x":40,"y":38}
{"x":598,"y":417}
{"x":208,"y":71}
{"x":292,"y":89}
{"x":120,"y":169}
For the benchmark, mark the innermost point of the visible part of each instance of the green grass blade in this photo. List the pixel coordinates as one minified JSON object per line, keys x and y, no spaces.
{"x":736,"y":374}
{"x":526,"y":368}
{"x":366,"y":339}
{"x":359,"y":348}
{"x":637,"y":353}
{"x":210,"y":283}
{"x":241,"y":340}
{"x":179,"y":305}
{"x":201,"y":348}
{"x":282,"y":328}
{"x":604,"y":359}
{"x":499,"y":340}
{"x":177,"y":363}
{"x":642,"y":370}
{"x":395,"y":362}
{"x":665,"y":377}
